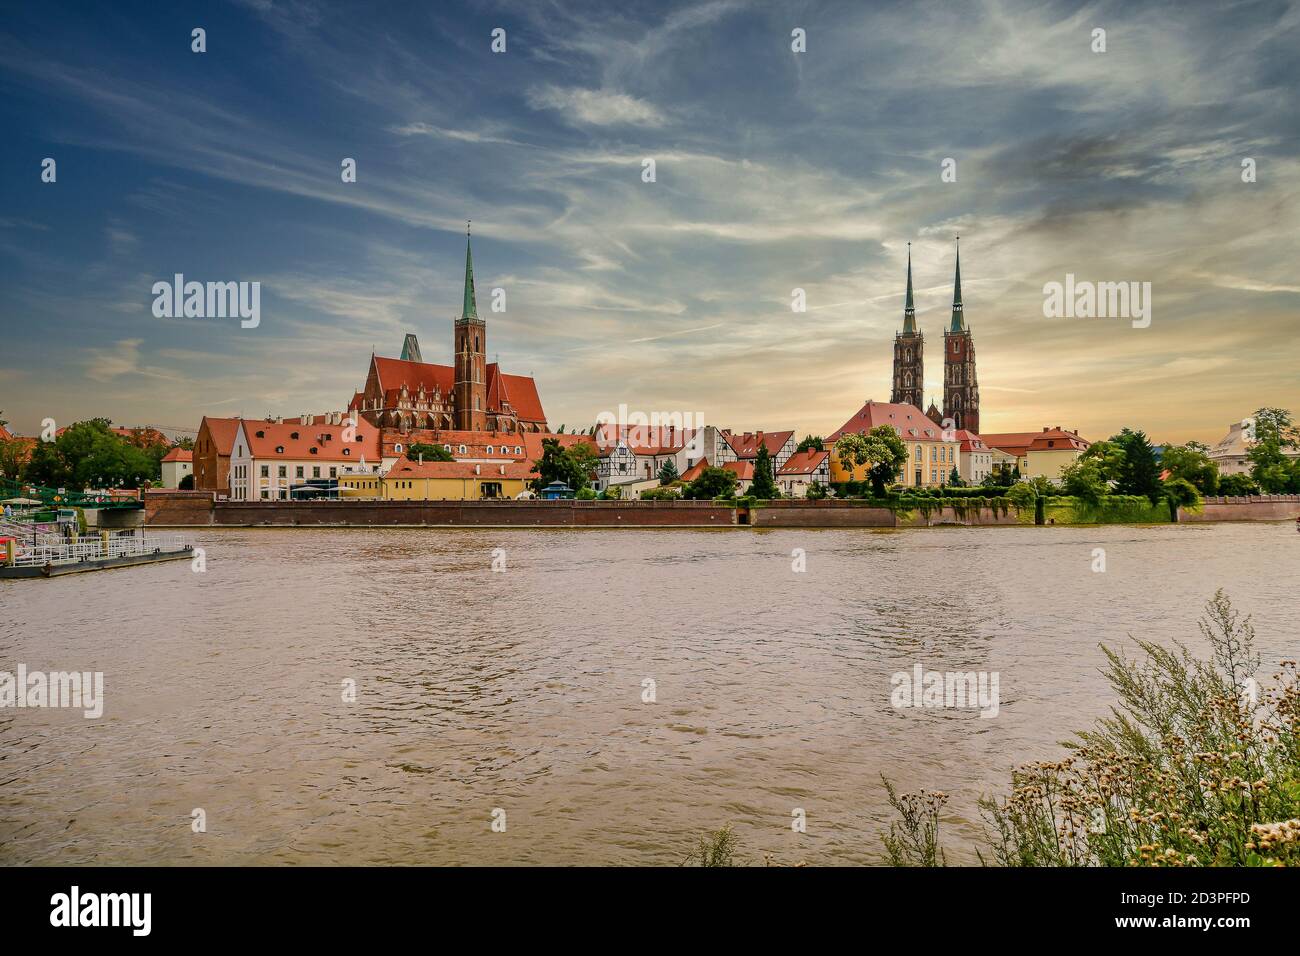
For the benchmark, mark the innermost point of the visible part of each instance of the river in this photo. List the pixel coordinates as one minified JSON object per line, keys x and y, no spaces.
{"x":520,"y":695}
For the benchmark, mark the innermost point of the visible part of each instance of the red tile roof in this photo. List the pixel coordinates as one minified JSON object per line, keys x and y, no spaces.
{"x":222,"y":431}
{"x":1049,"y":439}
{"x":908,"y":420}
{"x":743,"y":470}
{"x":5,"y":434}
{"x":643,"y":439}
{"x":746,"y":445}
{"x":304,"y":442}
{"x":804,"y":462}
{"x":970,"y":441}
{"x":406,"y":468}
{"x":179,"y":454}
{"x":476,"y":443}
{"x":519,"y":391}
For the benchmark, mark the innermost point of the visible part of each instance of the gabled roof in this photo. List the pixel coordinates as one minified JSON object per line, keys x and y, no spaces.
{"x":909,"y":421}
{"x":1049,"y":439}
{"x":222,"y":432}
{"x":746,"y":445}
{"x":970,"y":441}
{"x":394,"y":373}
{"x":804,"y":462}
{"x":179,"y":454}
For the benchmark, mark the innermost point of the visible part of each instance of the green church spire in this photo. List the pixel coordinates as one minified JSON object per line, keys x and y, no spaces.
{"x":958,"y":318}
{"x":470,"y":309}
{"x":909,"y":308}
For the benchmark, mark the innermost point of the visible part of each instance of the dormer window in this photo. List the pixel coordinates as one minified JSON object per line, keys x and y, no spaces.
{"x":279,"y":449}
{"x":293,"y":435}
{"x":260,"y":434}
{"x":347,"y":451}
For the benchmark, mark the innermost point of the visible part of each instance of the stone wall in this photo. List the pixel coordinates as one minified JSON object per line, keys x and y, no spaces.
{"x":1256,"y":508}
{"x":169,"y":507}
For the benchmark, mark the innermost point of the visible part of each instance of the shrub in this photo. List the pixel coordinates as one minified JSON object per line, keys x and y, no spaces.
{"x":1198,"y":766}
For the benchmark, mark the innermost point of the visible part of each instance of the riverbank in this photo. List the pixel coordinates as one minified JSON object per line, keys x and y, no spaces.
{"x":201,"y":509}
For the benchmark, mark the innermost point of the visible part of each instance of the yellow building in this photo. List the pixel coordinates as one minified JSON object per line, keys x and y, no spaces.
{"x":441,"y":480}
{"x":1043,"y":453}
{"x":930,"y":458}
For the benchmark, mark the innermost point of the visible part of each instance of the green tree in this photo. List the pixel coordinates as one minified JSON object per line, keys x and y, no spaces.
{"x":1082,"y":479}
{"x":955,"y":479}
{"x":1191,"y":464}
{"x":573,"y":465}
{"x":1109,"y":456}
{"x":881,"y":448}
{"x":712,"y":483}
{"x":816,"y":491}
{"x":420,"y":450}
{"x":1182,"y":493}
{"x":1139,"y":474}
{"x":1237,"y":486}
{"x":186,"y":483}
{"x":810,"y":443}
{"x":764,"y":485}
{"x":1275,"y":434}
{"x":668,"y":472}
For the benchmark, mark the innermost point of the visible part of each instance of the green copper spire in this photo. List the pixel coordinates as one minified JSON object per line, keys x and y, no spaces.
{"x":470,"y":309}
{"x":958,"y":318}
{"x":909,"y":308}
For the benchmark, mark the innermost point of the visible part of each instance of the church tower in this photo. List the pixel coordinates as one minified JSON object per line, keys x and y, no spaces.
{"x":909,"y":348}
{"x":470,"y":387}
{"x":961,"y":393}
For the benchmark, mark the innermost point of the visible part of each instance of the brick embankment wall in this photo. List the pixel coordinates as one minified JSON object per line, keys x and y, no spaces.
{"x":526,"y":514}
{"x":1257,"y":508}
{"x":164,"y":507}
{"x":795,"y":513}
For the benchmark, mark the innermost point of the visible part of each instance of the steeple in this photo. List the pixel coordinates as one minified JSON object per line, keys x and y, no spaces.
{"x":470,"y":309}
{"x":909,"y":309}
{"x":958,"y":318}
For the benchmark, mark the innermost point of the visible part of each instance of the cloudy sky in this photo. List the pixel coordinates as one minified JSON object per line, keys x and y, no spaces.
{"x":775,"y":170}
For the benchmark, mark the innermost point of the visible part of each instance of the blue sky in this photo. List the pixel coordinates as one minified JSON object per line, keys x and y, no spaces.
{"x":775,"y":170}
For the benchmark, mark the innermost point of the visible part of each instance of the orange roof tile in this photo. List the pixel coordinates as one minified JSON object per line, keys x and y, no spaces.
{"x":746,"y":445}
{"x":303,"y":442}
{"x":407,"y":469}
{"x":909,"y":421}
{"x":804,"y":462}
{"x":179,"y":454}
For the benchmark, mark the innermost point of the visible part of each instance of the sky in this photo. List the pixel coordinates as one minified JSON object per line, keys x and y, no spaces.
{"x":775,"y":170}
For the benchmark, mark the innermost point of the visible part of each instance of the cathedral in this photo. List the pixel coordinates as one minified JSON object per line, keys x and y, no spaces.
{"x":470,"y":395}
{"x":961,"y":395}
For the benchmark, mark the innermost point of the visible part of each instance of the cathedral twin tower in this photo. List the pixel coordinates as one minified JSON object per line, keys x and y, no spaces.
{"x":961,"y":394}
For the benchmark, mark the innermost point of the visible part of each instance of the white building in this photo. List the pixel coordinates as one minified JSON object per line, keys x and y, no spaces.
{"x":176,"y":464}
{"x":268,"y":459}
{"x":802,"y":470}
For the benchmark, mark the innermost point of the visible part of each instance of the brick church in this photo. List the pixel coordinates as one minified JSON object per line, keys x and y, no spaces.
{"x":961,"y":393}
{"x":472,"y":395}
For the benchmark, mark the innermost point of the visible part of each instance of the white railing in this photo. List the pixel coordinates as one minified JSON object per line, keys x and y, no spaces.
{"x":96,"y":549}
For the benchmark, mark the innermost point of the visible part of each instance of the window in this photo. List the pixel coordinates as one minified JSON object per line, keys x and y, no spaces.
{"x":518,"y":450}
{"x":489,"y":451}
{"x":315,"y":471}
{"x":266,"y":471}
{"x":265,"y":494}
{"x":283,"y":471}
{"x":298,"y":472}
{"x":333,"y":472}
{"x":462,"y":449}
{"x":398,"y":448}
{"x":918,"y":452}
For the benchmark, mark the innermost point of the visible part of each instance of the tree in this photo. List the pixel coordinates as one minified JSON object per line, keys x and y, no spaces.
{"x":810,"y":443}
{"x":186,"y":483}
{"x":954,"y":478}
{"x":1082,"y":479}
{"x":1182,"y":493}
{"x":668,"y":472}
{"x":184,"y":442}
{"x":423,"y":451}
{"x":1191,"y":464}
{"x":816,"y":491}
{"x":1139,"y":474}
{"x":712,"y":483}
{"x":763,"y":486}
{"x":1109,"y":456}
{"x":881,"y":448}
{"x":573,"y":465}
{"x":1237,"y":486}
{"x":1275,"y":434}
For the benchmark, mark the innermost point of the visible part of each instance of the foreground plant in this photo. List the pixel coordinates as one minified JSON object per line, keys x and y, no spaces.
{"x":1197,"y":766}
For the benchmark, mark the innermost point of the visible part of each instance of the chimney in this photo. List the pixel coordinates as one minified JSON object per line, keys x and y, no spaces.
{"x":304,"y":420}
{"x":1045,"y":428}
